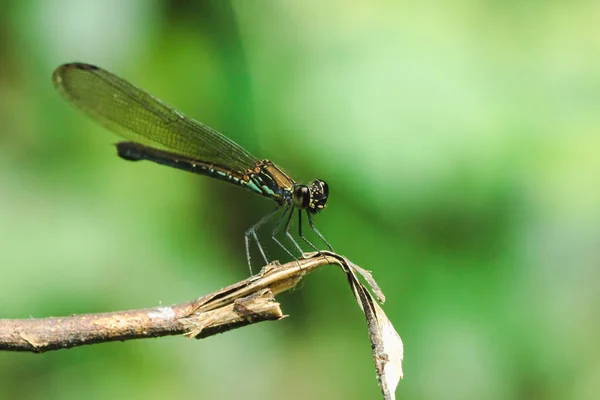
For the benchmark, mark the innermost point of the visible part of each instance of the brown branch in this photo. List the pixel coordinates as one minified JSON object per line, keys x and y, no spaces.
{"x":244,"y":303}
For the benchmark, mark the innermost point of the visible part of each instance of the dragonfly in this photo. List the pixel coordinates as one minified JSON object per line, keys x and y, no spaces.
{"x":159,"y":133}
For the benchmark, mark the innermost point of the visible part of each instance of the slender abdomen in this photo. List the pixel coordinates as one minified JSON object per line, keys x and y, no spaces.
{"x":265,"y":178}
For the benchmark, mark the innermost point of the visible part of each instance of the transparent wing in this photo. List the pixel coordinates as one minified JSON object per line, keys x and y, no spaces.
{"x":140,"y":117}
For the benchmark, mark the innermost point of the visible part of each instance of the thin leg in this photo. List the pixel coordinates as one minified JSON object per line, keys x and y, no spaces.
{"x":262,"y":252}
{"x":252,"y":232}
{"x":289,"y":235}
{"x":312,"y":226}
{"x":290,"y":209}
{"x":300,"y":231}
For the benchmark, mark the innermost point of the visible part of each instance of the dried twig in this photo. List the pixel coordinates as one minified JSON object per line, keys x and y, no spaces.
{"x":247,"y":302}
{"x":241,"y":304}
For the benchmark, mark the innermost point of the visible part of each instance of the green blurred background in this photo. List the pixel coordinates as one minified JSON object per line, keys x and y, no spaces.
{"x":461,"y":144}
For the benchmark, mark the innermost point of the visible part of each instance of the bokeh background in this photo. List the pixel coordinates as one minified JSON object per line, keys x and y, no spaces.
{"x":461,"y":143}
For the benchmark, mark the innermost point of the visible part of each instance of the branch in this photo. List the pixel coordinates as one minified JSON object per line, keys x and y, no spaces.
{"x":244,"y":303}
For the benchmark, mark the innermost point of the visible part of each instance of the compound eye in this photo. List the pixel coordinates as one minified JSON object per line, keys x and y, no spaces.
{"x":319,"y":195}
{"x":324,"y":187}
{"x":301,"y":196}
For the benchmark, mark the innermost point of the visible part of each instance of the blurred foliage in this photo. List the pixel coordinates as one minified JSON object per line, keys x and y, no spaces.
{"x":460,"y":142}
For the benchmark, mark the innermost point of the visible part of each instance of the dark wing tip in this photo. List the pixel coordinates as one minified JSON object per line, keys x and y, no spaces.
{"x":77,"y":65}
{"x":64,"y":69}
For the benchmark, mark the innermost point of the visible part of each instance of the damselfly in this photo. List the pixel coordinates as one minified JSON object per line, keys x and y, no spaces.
{"x":163,"y":135}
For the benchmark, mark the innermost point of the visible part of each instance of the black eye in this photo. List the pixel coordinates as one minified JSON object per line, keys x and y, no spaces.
{"x":319,"y":193}
{"x":324,"y":188}
{"x":301,"y":196}
{"x":320,"y":187}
